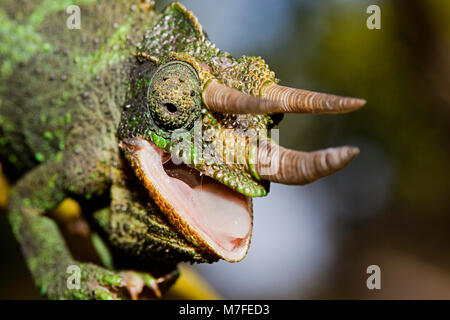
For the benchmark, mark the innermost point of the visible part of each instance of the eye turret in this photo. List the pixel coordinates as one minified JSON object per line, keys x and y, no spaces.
{"x":174,"y":96}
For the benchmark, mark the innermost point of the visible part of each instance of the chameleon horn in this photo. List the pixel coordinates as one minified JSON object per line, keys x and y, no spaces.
{"x":223,"y":99}
{"x":281,"y":165}
{"x":291,"y":100}
{"x":276,"y":99}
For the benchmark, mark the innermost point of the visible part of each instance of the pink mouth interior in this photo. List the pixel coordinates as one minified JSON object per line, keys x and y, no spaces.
{"x":220,"y":215}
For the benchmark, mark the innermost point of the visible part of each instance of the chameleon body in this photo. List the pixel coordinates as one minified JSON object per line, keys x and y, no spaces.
{"x":82,"y":111}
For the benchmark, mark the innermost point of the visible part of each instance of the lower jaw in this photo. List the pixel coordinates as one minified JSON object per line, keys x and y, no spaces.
{"x":235,"y":247}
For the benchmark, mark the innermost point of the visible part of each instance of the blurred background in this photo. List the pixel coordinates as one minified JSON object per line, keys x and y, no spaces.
{"x":390,"y":207}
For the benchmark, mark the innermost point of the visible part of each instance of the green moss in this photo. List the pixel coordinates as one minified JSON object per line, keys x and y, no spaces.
{"x":19,"y":43}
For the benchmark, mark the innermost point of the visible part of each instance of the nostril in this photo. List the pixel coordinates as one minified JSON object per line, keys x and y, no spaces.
{"x":170,"y":107}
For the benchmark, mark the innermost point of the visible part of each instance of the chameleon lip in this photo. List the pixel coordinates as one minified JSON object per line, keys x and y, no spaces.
{"x":207,"y":213}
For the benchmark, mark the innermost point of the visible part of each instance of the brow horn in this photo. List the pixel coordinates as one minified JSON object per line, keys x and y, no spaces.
{"x":278,"y":164}
{"x":293,"y":100}
{"x":276,"y":99}
{"x":223,"y":99}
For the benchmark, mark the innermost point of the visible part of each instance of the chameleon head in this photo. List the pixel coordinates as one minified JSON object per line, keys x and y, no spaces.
{"x":196,"y":131}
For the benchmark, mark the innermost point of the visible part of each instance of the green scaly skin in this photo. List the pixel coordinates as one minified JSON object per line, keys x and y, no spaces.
{"x":67,"y":97}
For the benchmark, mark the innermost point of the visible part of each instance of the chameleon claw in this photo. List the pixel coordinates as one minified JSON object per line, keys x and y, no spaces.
{"x":169,"y":277}
{"x":152,"y":283}
{"x":135,"y":282}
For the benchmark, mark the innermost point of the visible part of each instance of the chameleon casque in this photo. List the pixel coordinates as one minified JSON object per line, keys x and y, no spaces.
{"x":161,"y":137}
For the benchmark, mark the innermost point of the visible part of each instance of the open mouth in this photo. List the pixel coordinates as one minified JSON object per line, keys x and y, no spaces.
{"x":206,"y":212}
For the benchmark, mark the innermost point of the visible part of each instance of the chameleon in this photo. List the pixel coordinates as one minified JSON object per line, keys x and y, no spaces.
{"x":162,"y":138}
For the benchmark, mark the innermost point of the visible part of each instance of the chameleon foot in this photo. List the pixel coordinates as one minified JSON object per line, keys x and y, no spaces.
{"x":102,"y":284}
{"x":135,"y":282}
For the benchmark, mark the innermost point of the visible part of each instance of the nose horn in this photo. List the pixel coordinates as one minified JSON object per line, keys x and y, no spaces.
{"x":281,"y":165}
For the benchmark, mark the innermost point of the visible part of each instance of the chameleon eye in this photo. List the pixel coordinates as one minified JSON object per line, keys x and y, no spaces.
{"x":174,"y":97}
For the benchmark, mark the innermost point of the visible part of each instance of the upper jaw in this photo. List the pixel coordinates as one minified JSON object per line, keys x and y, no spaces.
{"x":207,"y":213}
